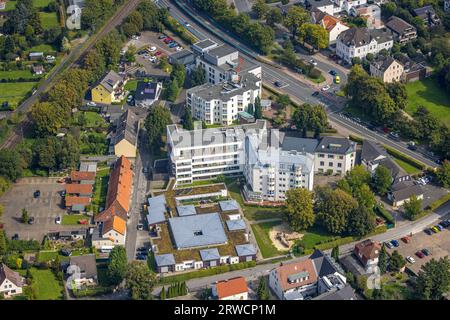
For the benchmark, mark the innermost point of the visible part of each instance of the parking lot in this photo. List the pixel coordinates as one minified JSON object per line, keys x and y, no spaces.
{"x":438,"y":244}
{"x":44,"y":209}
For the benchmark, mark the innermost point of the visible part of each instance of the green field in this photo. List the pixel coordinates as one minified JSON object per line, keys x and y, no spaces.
{"x":427,"y":93}
{"x":94,"y":120}
{"x":41,"y":3}
{"x":72,"y":219}
{"x":131,"y":85}
{"x":406,"y":166}
{"x":100,"y":189}
{"x":314,"y":236}
{"x":16,"y":74}
{"x":14,"y":92}
{"x":45,"y":48}
{"x":49,"y":20}
{"x":261,"y":232}
{"x":46,"y":286}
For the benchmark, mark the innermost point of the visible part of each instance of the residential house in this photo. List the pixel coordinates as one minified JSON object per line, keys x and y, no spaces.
{"x":80,"y":190}
{"x":36,"y":56}
{"x":387,"y":69}
{"x":333,"y":25}
{"x":307,"y":279}
{"x":358,"y":42}
{"x":110,"y":89}
{"x":346,"y":293}
{"x":11,"y":283}
{"x":428,"y":15}
{"x":124,"y":138}
{"x":210,"y":257}
{"x":115,"y":229}
{"x":82,"y":177}
{"x":246,"y":252}
{"x":38,"y":70}
{"x":334,"y":155}
{"x":402,"y":30}
{"x":372,"y":155}
{"x":368,"y":252}
{"x":334,"y":7}
{"x":87,"y":269}
{"x":230,"y":289}
{"x":412,"y":70}
{"x":147,"y":93}
{"x":371,"y":13}
{"x":402,"y":189}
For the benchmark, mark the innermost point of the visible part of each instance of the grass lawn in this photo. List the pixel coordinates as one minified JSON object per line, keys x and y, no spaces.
{"x":131,"y":85}
{"x":406,"y":166}
{"x":427,"y":93}
{"x":45,"y":48}
{"x":49,"y":20}
{"x":46,"y":256}
{"x":14,"y":92}
{"x":314,"y":236}
{"x":261,"y":232}
{"x":46,"y":286}
{"x":100,"y":189}
{"x":93,"y":120}
{"x":10,"y":5}
{"x":253,"y":212}
{"x":41,"y":3}
{"x":16,"y":74}
{"x":72,"y":219}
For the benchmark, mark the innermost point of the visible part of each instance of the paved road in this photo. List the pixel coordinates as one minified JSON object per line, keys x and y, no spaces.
{"x":204,"y":28}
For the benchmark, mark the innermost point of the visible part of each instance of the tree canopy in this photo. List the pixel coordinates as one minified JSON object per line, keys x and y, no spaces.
{"x":299,"y":208}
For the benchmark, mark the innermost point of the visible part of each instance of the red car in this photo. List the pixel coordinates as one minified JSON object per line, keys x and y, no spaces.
{"x":83,"y":221}
{"x":167,"y":40}
{"x":158,"y":53}
{"x":406,"y":239}
{"x":420,"y":254}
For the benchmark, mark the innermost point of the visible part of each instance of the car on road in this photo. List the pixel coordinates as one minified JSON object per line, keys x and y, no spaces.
{"x":187,"y":24}
{"x":313,"y":62}
{"x":31,"y":220}
{"x":315,"y":93}
{"x":389,"y":245}
{"x":278,"y":83}
{"x":395,"y":243}
{"x":37,"y":194}
{"x":410,"y":259}
{"x":426,"y":252}
{"x":394,"y":135}
{"x":91,"y":104}
{"x":337,"y":79}
{"x":58,"y":220}
{"x":140,"y":226}
{"x":332,"y":72}
{"x":420,"y":254}
{"x":326,"y":88}
{"x":439,"y":227}
{"x":141,"y":257}
{"x":371,"y":127}
{"x":412,"y":146}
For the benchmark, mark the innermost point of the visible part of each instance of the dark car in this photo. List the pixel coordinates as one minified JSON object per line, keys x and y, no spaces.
{"x":278,"y":83}
{"x":428,"y":231}
{"x":412,"y":147}
{"x":395,"y":243}
{"x":315,"y":93}
{"x":141,"y":257}
{"x":333,"y":72}
{"x":37,"y":194}
{"x":445,"y":223}
{"x":141,"y":249}
{"x":371,"y":127}
{"x":426,"y":252}
{"x":15,"y":237}
{"x":162,"y":37}
{"x":420,"y":254}
{"x":31,"y":220}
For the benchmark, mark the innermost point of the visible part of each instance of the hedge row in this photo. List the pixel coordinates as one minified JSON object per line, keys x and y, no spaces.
{"x":346,"y":240}
{"x":436,"y":204}
{"x":356,"y":139}
{"x":208,"y":272}
{"x":21,"y":80}
{"x":92,"y":292}
{"x":385,"y":214}
{"x":397,"y":154}
{"x":179,"y":30}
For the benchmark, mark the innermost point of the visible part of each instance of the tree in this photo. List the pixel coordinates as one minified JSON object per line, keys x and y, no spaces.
{"x":263,"y":290}
{"x":314,"y":34}
{"x":382,"y":180}
{"x":130,"y":55}
{"x":178,"y":74}
{"x":299,"y":208}
{"x":396,"y":262}
{"x":335,"y":253}
{"x":443,"y":174}
{"x":434,"y":279}
{"x":140,"y":281}
{"x":413,"y":207}
{"x":172,"y":91}
{"x":188,"y":123}
{"x":25,"y":217}
{"x":361,"y":221}
{"x":365,"y":197}
{"x":3,"y":246}
{"x":383,"y":259}
{"x":295,"y":18}
{"x":46,"y":118}
{"x":117,"y":265}
{"x":162,"y":295}
{"x":251,"y":109}
{"x":333,"y":208}
{"x":274,"y":16}
{"x":10,"y":164}
{"x":156,"y":122}
{"x":197,"y":77}
{"x":258,"y":109}
{"x":283,"y":100}
{"x":260,"y":8}
{"x":308,"y":117}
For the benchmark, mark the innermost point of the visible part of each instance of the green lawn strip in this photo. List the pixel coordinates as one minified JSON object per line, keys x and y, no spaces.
{"x":131,"y":85}
{"x":410,"y":169}
{"x":45,"y":48}
{"x":94,"y":120}
{"x":10,"y":5}
{"x":405,"y":158}
{"x":17,"y":74}
{"x":14,"y":92}
{"x":41,"y":3}
{"x":49,"y":20}
{"x":72,"y":219}
{"x":48,"y":256}
{"x":315,"y":236}
{"x":429,"y":94}
{"x":261,"y":232}
{"x":100,"y":189}
{"x":46,"y":286}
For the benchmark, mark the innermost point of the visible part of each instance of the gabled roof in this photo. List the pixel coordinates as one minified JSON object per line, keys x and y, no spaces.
{"x":82,"y":176}
{"x":127,"y":128}
{"x":86,"y":263}
{"x":231,"y":287}
{"x":115,"y":223}
{"x":368,"y":249}
{"x":243,"y":250}
{"x":120,"y":184}
{"x":75,"y":188}
{"x":329,"y":22}
{"x":335,"y":145}
{"x":7,"y":274}
{"x":398,"y":25}
{"x":346,"y":293}
{"x":423,"y":12}
{"x":323,"y":264}
{"x":372,"y":151}
{"x":72,"y":201}
{"x":359,"y":37}
{"x":407,"y":192}
{"x":383,"y":63}
{"x":113,"y":210}
{"x":209,"y":254}
{"x":290,"y":275}
{"x":110,"y":80}
{"x":146,"y":90}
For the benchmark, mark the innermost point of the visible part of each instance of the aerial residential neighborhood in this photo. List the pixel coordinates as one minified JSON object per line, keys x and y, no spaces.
{"x":215,"y":150}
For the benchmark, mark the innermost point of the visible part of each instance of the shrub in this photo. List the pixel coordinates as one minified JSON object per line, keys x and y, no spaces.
{"x":356,"y":139}
{"x":385,"y":214}
{"x":315,"y":73}
{"x":397,"y":154}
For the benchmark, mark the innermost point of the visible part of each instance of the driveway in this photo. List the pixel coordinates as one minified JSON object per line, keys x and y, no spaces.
{"x":44,"y":209}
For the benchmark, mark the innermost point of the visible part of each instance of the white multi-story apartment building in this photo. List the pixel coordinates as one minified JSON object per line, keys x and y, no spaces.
{"x":206,"y":154}
{"x":220,"y":103}
{"x":333,"y":7}
{"x":278,"y":163}
{"x":358,"y":42}
{"x":335,"y":155}
{"x":222,"y":63}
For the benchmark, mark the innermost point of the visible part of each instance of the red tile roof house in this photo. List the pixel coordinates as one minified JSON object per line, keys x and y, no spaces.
{"x":367,"y":252}
{"x":231,"y":289}
{"x":11,"y":282}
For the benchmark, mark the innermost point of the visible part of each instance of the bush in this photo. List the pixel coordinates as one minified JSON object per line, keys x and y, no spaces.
{"x":393,"y":152}
{"x":436,"y":204}
{"x":315,"y":73}
{"x":385,"y":214}
{"x":356,"y":139}
{"x":92,"y":292}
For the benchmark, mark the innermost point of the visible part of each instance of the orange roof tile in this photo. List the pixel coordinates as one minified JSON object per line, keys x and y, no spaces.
{"x":115,"y":223}
{"x":284,"y":271}
{"x":230,"y":287}
{"x":71,"y":201}
{"x":78,"y":188}
{"x":120,"y":184}
{"x":113,"y":210}
{"x":329,"y":22}
{"x":80,"y":176}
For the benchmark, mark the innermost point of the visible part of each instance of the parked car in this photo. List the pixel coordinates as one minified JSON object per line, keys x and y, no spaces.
{"x":91,"y":104}
{"x":426,"y":252}
{"x":151,"y":49}
{"x":389,"y":245}
{"x":140,"y":226}
{"x":83,"y":222}
{"x":420,"y":254}
{"x":410,"y":259}
{"x":313,"y":62}
{"x":326,"y":88}
{"x":428,"y":231}
{"x":406,"y":239}
{"x":37,"y":194}
{"x":173,"y":45}
{"x":315,"y":93}
{"x":337,"y":79}
{"x":395,"y":243}
{"x":31,"y":220}
{"x":439,"y":227}
{"x":130,"y":98}
{"x":332,"y":72}
{"x":179,"y":48}
{"x":157,"y":53}
{"x":435,"y":229}
{"x":162,"y":37}
{"x":58,"y":220}
{"x":152,"y":59}
{"x":445,"y":223}
{"x":141,"y":257}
